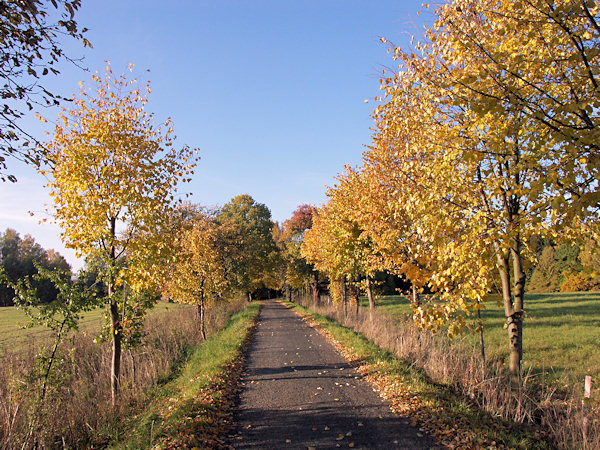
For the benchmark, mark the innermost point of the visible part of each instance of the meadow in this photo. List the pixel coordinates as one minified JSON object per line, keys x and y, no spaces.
{"x":15,"y":337}
{"x":560,"y":337}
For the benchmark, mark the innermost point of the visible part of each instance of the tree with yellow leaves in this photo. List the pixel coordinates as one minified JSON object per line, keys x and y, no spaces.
{"x":198,"y":273}
{"x":113,"y":178}
{"x":336,"y":244}
{"x":488,"y":135}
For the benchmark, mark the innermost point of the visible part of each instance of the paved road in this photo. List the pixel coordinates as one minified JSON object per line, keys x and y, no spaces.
{"x":298,"y":392}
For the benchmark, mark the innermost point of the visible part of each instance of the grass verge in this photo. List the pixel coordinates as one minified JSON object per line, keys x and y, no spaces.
{"x":455,"y":421}
{"x":194,"y":408}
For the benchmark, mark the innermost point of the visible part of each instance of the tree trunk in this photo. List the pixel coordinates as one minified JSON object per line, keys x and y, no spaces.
{"x":371,"y":300}
{"x":57,"y":341}
{"x":115,"y":368}
{"x":201,"y":317}
{"x":115,"y":323}
{"x":512,"y":298}
{"x":416,"y":299}
{"x":249,"y":296}
{"x":288,"y":293}
{"x":514,"y":321}
{"x":345,"y":297}
{"x":518,"y":301}
{"x":315,"y":289}
{"x":356,"y":295}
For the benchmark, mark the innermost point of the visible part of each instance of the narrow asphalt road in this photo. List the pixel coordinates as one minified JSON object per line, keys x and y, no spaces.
{"x":298,"y":392}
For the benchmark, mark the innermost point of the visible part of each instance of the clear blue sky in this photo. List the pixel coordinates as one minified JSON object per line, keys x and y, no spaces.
{"x":272,"y":91}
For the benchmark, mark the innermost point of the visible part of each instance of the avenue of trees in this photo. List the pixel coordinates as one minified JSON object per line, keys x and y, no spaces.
{"x":485,"y":145}
{"x":481,"y":181}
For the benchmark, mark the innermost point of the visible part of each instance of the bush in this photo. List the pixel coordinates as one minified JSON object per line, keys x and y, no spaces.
{"x":579,"y":281}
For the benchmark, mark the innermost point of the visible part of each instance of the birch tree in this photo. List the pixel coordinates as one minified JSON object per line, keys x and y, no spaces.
{"x":113,"y":178}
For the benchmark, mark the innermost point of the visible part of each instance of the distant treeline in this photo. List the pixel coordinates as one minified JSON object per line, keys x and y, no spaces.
{"x":18,"y":258}
{"x":562,"y":268}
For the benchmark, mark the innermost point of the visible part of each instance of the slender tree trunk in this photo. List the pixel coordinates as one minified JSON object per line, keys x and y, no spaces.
{"x":115,"y":324}
{"x":356,"y":295}
{"x":57,"y":341}
{"x":249,"y":296}
{"x":115,"y":368}
{"x":416,"y":299}
{"x":371,"y":300}
{"x":512,"y":298}
{"x":133,"y":366}
{"x":514,"y":322}
{"x":519,"y":279}
{"x":315,"y":289}
{"x":345,"y":297}
{"x":288,"y":293}
{"x":201,"y":317}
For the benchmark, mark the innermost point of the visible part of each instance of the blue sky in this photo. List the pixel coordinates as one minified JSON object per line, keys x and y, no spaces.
{"x":272,"y":92}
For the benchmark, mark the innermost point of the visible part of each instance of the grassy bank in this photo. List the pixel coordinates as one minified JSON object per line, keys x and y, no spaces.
{"x":77,"y":411}
{"x":560,"y":337}
{"x":454,"y":420}
{"x":193,"y":409}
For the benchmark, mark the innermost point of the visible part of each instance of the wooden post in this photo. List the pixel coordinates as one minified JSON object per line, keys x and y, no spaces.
{"x":588,"y":387}
{"x":587,"y":394}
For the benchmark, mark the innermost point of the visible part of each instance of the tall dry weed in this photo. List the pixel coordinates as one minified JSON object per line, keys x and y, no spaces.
{"x":561,"y":414}
{"x":77,"y":411}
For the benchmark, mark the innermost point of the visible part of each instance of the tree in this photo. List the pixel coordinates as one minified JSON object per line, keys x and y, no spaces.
{"x":113,"y":178}
{"x":61,"y":316}
{"x":20,"y":258}
{"x":298,"y":272}
{"x":30,"y":52}
{"x":502,"y":94}
{"x":198,"y":273}
{"x":336,"y":243}
{"x":247,"y":233}
{"x":546,"y":68}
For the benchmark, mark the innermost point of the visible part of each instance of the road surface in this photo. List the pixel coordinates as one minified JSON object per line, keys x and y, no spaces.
{"x":298,"y":392}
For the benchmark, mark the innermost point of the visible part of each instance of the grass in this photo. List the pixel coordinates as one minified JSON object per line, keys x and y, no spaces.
{"x":560,"y":335}
{"x":451,"y":418}
{"x":192,"y":409}
{"x":77,"y":412}
{"x":14,"y":337}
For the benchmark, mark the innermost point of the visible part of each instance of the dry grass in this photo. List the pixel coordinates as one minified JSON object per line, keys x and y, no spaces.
{"x":13,"y":335}
{"x":77,"y":412}
{"x":558,"y":413}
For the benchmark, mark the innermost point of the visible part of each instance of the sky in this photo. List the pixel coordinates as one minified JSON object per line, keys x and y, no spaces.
{"x":272,"y":92}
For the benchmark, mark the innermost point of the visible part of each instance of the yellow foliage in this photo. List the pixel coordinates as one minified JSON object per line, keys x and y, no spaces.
{"x":197,"y":271}
{"x":114,"y":175}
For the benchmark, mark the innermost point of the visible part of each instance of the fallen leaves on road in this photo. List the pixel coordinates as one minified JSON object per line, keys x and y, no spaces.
{"x":451,"y":434}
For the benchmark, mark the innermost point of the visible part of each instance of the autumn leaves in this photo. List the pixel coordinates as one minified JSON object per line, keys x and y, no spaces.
{"x":113,"y":177}
{"x":485,"y":136}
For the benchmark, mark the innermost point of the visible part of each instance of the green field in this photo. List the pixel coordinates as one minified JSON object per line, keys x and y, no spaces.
{"x":561,"y":335}
{"x":13,"y":337}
